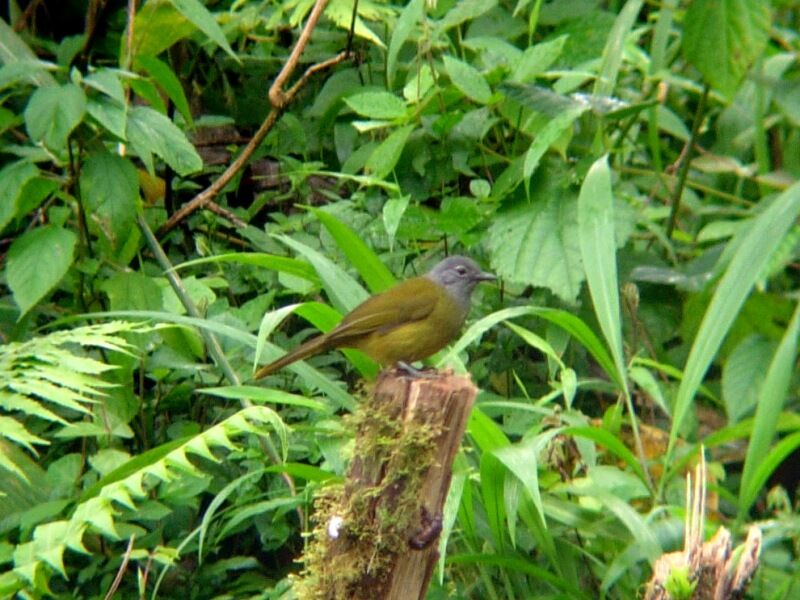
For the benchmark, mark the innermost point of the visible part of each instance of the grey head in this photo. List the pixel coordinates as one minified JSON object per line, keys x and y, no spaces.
{"x":459,"y":275}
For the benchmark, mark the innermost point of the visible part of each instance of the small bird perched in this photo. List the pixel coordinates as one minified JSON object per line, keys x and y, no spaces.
{"x":406,"y":323}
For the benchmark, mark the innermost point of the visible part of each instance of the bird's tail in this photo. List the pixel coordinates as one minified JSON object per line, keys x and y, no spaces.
{"x":309,"y":348}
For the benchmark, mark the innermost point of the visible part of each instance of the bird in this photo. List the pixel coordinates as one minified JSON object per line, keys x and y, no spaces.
{"x":408,"y":322}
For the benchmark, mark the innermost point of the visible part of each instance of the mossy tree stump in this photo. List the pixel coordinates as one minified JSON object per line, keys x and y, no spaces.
{"x":376,"y":536}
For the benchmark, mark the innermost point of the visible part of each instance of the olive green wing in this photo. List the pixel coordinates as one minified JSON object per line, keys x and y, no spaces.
{"x":408,"y":301}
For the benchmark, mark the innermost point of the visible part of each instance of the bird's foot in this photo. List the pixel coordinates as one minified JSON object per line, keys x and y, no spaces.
{"x":431,"y":527}
{"x":413,"y":372}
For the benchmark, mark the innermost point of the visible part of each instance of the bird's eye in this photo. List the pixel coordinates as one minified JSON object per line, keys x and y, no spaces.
{"x":461,"y":270}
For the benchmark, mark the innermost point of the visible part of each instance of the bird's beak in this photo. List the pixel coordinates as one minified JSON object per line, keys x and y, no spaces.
{"x":485,"y":276}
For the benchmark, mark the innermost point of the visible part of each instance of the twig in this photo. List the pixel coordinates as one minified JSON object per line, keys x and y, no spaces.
{"x":204,"y":197}
{"x":22,"y":22}
{"x":687,"y":160}
{"x":225,"y":213}
{"x":122,"y":569}
{"x":276,"y":94}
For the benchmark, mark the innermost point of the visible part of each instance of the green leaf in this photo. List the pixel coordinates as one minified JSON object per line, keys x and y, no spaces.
{"x":13,"y":178}
{"x":536,"y":243}
{"x":53,"y":112}
{"x":537,"y":59}
{"x":384,"y":158}
{"x":14,"y":51}
{"x":463,"y":11}
{"x":281,"y":264}
{"x":722,"y":38}
{"x":393,"y":211}
{"x":468,"y":80}
{"x":547,"y":136}
{"x":374,"y":273}
{"x":150,"y":132}
{"x":408,"y":20}
{"x":45,"y":252}
{"x":166,"y":78}
{"x":158,"y":26}
{"x":771,"y":398}
{"x":343,"y":291}
{"x":107,"y":82}
{"x":205,"y":22}
{"x":260,"y":395}
{"x":743,"y":374}
{"x":109,"y":114}
{"x":377,"y":105}
{"x":597,"y":246}
{"x":613,"y":50}
{"x":110,"y":188}
{"x":752,"y":254}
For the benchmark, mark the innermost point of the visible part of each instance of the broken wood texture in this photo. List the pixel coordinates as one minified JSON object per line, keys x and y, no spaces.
{"x":376,"y":535}
{"x":710,"y":570}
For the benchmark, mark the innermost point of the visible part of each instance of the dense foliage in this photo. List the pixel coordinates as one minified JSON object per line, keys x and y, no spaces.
{"x":628,"y":169}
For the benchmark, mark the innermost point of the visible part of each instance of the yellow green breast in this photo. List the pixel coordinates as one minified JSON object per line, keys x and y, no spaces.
{"x":417,"y":339}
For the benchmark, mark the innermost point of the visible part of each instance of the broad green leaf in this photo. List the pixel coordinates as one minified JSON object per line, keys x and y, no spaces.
{"x":13,"y":177}
{"x":408,"y":20}
{"x":109,"y":114}
{"x":752,"y":254}
{"x":53,"y":112}
{"x":14,"y":51}
{"x":597,"y":246}
{"x":157,"y":27}
{"x":377,"y":105}
{"x":743,"y":374}
{"x":549,"y":134}
{"x":132,"y":290}
{"x":107,"y":82}
{"x":110,"y":189}
{"x":340,"y":12}
{"x":374,"y":273}
{"x":536,"y":243}
{"x":464,"y":11}
{"x":198,"y":14}
{"x":468,"y":80}
{"x":150,"y":132}
{"x":771,"y":398}
{"x":168,"y":81}
{"x":722,"y":38}
{"x":47,"y":253}
{"x":537,"y":59}
{"x":384,"y":158}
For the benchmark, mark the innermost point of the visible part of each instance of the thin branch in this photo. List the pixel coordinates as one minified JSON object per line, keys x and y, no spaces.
{"x":203,"y":198}
{"x":687,"y":161}
{"x":276,"y":94}
{"x":122,"y":569}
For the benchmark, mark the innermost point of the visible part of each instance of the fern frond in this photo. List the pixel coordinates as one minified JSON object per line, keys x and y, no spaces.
{"x":99,"y":509}
{"x":53,"y":379}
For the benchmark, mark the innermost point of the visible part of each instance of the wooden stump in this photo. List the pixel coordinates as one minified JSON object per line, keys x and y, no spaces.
{"x":376,"y":536}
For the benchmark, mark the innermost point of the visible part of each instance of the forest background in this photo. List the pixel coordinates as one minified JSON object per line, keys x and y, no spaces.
{"x":628,"y":169}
